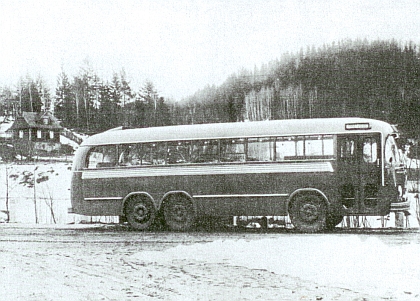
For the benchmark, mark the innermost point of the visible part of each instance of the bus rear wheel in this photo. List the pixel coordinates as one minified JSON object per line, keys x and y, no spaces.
{"x":178,"y":212}
{"x":308,"y":212}
{"x":140,"y":212}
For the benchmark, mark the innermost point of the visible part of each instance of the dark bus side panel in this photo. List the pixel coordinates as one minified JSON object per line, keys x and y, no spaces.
{"x":222,"y":194}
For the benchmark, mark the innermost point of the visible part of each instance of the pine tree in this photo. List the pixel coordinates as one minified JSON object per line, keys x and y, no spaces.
{"x":65,"y":104}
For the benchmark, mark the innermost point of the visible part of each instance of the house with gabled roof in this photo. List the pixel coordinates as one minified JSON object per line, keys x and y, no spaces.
{"x":41,"y":128}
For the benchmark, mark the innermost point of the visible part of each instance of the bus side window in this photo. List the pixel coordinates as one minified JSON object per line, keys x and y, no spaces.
{"x":205,"y":151}
{"x":178,"y":152}
{"x":134,"y":157}
{"x":161,"y":154}
{"x":319,"y":146}
{"x":154,"y":154}
{"x":123,"y":152}
{"x":285,"y":148}
{"x":102,"y":156}
{"x":232,"y":150}
{"x":328,"y":145}
{"x":370,"y":150}
{"x":130,"y":154}
{"x":347,"y":150}
{"x":313,"y":146}
{"x":260,"y":149}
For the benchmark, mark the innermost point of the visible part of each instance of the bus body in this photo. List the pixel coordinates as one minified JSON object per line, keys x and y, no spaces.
{"x":315,"y":170}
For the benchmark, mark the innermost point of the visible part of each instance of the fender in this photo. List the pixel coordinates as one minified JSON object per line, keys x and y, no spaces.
{"x":182,"y":192}
{"x":300,"y":190}
{"x":142,"y":193}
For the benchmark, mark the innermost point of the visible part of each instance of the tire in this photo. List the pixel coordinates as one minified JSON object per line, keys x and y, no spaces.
{"x":308,"y":212}
{"x":178,"y":212}
{"x":140,"y":212}
{"x":333,"y":220}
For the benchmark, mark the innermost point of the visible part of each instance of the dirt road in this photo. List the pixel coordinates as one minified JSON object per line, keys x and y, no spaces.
{"x":112,"y":263}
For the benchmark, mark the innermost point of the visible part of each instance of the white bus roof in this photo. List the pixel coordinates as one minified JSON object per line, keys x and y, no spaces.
{"x":289,"y":127}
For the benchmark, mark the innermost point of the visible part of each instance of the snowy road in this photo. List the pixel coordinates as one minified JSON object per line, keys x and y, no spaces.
{"x":85,"y":262}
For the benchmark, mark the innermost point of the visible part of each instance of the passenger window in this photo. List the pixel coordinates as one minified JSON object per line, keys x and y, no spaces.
{"x":260,"y":149}
{"x":205,"y":151}
{"x":102,"y":156}
{"x":347,"y":149}
{"x":299,"y":147}
{"x":328,"y":146}
{"x":285,"y":148}
{"x":370,"y":150}
{"x":232,"y":150}
{"x":129,"y":155}
{"x":153,"y":154}
{"x":179,"y":152}
{"x":319,"y":146}
{"x":313,"y":146}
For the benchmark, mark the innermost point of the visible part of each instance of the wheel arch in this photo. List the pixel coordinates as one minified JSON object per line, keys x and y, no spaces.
{"x":167,"y":195}
{"x":136,"y":193}
{"x":308,"y":190}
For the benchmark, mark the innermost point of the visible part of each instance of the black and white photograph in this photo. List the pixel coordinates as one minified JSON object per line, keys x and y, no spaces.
{"x":209,"y":150}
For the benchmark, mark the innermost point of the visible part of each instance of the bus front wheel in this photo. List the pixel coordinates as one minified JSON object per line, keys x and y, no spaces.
{"x":308,"y":212}
{"x":178,"y":212}
{"x":140,"y":212}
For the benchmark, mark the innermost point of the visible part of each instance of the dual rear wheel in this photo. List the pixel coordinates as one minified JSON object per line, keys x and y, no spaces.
{"x":140,"y":212}
{"x":177,"y":210}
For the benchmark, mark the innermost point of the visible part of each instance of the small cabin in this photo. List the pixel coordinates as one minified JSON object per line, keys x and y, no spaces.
{"x":41,"y":128}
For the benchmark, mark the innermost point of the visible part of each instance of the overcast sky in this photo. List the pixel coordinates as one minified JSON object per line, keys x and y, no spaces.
{"x":182,"y":46}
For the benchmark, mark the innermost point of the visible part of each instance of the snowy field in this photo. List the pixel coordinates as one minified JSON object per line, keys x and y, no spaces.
{"x":357,"y":263}
{"x":88,"y":262}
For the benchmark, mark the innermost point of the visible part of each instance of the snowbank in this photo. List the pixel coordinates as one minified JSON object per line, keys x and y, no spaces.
{"x":359,"y":263}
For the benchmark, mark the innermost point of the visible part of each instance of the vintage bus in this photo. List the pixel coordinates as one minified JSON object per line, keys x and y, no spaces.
{"x":314,"y":170}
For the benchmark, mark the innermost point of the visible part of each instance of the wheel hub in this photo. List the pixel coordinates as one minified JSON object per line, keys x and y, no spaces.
{"x":141,"y":212}
{"x":309,"y":212}
{"x":179,"y":212}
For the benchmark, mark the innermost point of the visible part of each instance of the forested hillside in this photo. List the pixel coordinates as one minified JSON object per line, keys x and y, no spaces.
{"x":377,"y":79}
{"x":353,"y":78}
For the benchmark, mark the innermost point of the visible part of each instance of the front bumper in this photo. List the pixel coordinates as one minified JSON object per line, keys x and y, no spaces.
{"x":400,"y":206}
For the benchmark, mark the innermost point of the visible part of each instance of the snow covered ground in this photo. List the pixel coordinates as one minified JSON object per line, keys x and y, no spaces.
{"x":85,"y":262}
{"x":364,"y":264}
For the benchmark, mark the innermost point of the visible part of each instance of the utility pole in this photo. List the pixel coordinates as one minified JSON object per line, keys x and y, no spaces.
{"x":7,"y":194}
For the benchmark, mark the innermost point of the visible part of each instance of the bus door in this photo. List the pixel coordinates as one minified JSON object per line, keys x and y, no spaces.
{"x":359,"y":172}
